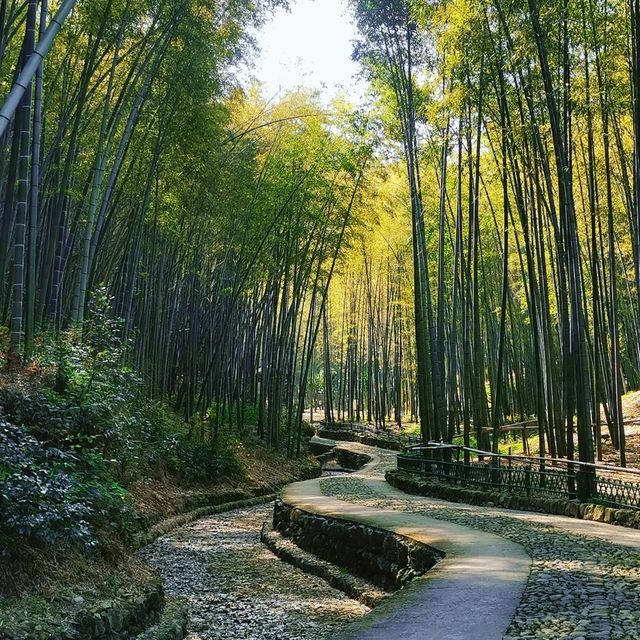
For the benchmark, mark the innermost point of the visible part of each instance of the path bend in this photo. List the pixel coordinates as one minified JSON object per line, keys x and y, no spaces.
{"x":508,"y":574}
{"x":482,"y":575}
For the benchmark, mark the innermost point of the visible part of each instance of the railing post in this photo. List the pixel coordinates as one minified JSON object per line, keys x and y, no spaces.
{"x":571,"y":481}
{"x":586,"y":481}
{"x":496,"y":472}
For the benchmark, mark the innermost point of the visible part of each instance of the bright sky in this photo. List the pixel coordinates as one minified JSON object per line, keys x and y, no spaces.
{"x":309,"y":46}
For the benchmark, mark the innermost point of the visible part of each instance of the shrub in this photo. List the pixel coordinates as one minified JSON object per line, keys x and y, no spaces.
{"x":198,"y":461}
{"x":307,"y":429}
{"x":51,"y":496}
{"x":38,"y":500}
{"x":67,"y":448}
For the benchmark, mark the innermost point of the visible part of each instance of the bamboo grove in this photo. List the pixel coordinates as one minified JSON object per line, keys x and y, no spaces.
{"x":136,"y":170}
{"x":464,"y":253}
{"x":516,"y":125}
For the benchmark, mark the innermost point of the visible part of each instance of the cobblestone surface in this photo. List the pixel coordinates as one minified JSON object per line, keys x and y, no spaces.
{"x":580,"y":587}
{"x":236,"y":588}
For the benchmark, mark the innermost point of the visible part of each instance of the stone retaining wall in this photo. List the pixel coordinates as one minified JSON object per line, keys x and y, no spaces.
{"x":320,"y":449}
{"x":172,"y":625}
{"x":121,"y":619}
{"x":347,"y":435}
{"x":350,"y":459}
{"x":416,"y":484}
{"x":354,"y":586}
{"x":115,"y":619}
{"x":386,"y":559}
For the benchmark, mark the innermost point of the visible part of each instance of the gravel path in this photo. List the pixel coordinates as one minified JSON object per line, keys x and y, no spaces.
{"x":236,"y":588}
{"x":580,"y":587}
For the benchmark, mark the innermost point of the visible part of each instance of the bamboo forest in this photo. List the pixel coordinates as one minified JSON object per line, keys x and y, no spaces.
{"x":319,"y":319}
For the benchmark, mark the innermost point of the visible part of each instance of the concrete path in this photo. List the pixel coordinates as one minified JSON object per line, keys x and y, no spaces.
{"x":372,"y":475}
{"x":580,"y":580}
{"x":472,"y":593}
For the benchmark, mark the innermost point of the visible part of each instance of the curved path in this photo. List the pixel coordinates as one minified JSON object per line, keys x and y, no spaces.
{"x":508,"y":574}
{"x":483,"y":575}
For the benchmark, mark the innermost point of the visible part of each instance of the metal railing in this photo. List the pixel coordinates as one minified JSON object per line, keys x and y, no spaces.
{"x":526,"y":475}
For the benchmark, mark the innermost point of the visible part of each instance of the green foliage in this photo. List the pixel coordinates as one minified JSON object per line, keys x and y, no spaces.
{"x":52,"y":496}
{"x":308,"y":430}
{"x":69,"y":448}
{"x":196,"y":461}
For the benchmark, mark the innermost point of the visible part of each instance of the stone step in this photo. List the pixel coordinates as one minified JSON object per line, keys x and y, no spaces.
{"x":354,"y":586}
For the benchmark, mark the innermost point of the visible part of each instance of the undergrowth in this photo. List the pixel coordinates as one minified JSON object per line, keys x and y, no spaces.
{"x":77,"y":430}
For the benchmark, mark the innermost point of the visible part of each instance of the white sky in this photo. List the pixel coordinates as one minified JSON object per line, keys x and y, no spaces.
{"x":309,"y":46}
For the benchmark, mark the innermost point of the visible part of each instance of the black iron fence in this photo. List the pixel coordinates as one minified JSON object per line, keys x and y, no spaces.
{"x":522,"y":475}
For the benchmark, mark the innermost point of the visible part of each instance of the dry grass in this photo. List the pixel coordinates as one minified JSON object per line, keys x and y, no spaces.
{"x":265,"y":467}
{"x":631,"y":413}
{"x":28,"y":379}
{"x":264,"y":471}
{"x":55,"y":573}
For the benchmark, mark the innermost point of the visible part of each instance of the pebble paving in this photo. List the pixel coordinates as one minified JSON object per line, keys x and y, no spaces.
{"x":580,"y":587}
{"x":236,"y":588}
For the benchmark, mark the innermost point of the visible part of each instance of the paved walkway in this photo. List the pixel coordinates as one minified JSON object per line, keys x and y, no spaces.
{"x":483,"y":575}
{"x":508,"y":574}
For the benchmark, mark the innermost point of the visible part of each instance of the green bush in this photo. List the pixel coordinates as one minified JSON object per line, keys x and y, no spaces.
{"x":197,"y":461}
{"x":70,"y":447}
{"x":51,"y":496}
{"x":308,"y":430}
